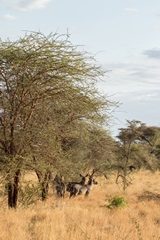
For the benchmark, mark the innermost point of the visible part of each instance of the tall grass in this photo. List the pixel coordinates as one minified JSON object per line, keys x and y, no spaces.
{"x":82,"y":219}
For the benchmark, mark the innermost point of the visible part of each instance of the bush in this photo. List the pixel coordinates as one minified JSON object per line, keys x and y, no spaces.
{"x":116,"y":202}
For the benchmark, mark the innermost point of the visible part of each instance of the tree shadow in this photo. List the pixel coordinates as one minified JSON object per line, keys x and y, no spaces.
{"x":149,"y":196}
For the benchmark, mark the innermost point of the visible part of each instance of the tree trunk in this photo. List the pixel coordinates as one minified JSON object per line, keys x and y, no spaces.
{"x":13,"y":188}
{"x":10,"y":195}
{"x":44,"y":182}
{"x":45,"y":185}
{"x":44,"y":190}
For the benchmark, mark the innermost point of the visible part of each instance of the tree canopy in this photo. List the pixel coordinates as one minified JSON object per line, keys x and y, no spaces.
{"x":48,"y":102}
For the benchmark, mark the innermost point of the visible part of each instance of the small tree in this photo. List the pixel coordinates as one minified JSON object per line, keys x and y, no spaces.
{"x":133,"y":151}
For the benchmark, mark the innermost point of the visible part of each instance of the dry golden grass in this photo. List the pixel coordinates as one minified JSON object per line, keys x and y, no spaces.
{"x":82,"y":219}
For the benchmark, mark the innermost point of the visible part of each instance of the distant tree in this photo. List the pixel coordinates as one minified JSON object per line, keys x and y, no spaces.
{"x":151,"y":135}
{"x":133,"y":151}
{"x":47,"y":90}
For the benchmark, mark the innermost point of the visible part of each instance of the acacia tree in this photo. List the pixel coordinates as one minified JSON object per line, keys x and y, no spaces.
{"x":134,"y":151}
{"x":47,"y":88}
{"x":151,"y":135}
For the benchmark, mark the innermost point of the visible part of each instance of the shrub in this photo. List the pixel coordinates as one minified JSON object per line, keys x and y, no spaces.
{"x":116,"y":202}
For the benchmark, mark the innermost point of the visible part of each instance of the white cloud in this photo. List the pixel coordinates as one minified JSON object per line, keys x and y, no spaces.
{"x":25,"y":5}
{"x":153,"y":53}
{"x":131,"y":79}
{"x":130,"y":10}
{"x":9,"y":17}
{"x":136,"y":84}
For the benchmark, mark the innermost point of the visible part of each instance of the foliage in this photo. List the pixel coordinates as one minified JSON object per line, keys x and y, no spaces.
{"x":116,"y":202}
{"x":135,"y":150}
{"x":48,"y":103}
{"x":137,"y":226}
{"x":29,"y":194}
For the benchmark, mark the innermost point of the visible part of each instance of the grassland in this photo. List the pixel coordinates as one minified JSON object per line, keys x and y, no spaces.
{"x":82,"y":219}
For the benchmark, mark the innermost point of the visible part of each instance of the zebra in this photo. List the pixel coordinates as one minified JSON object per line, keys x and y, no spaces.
{"x":70,"y":185}
{"x":84,"y":189}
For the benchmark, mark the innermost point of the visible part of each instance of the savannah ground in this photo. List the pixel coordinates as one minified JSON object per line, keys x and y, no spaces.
{"x":86,"y":218}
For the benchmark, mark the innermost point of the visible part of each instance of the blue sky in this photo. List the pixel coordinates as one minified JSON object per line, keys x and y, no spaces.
{"x":124,"y":35}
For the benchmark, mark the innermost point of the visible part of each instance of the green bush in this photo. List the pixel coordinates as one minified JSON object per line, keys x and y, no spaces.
{"x":116,"y":202}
